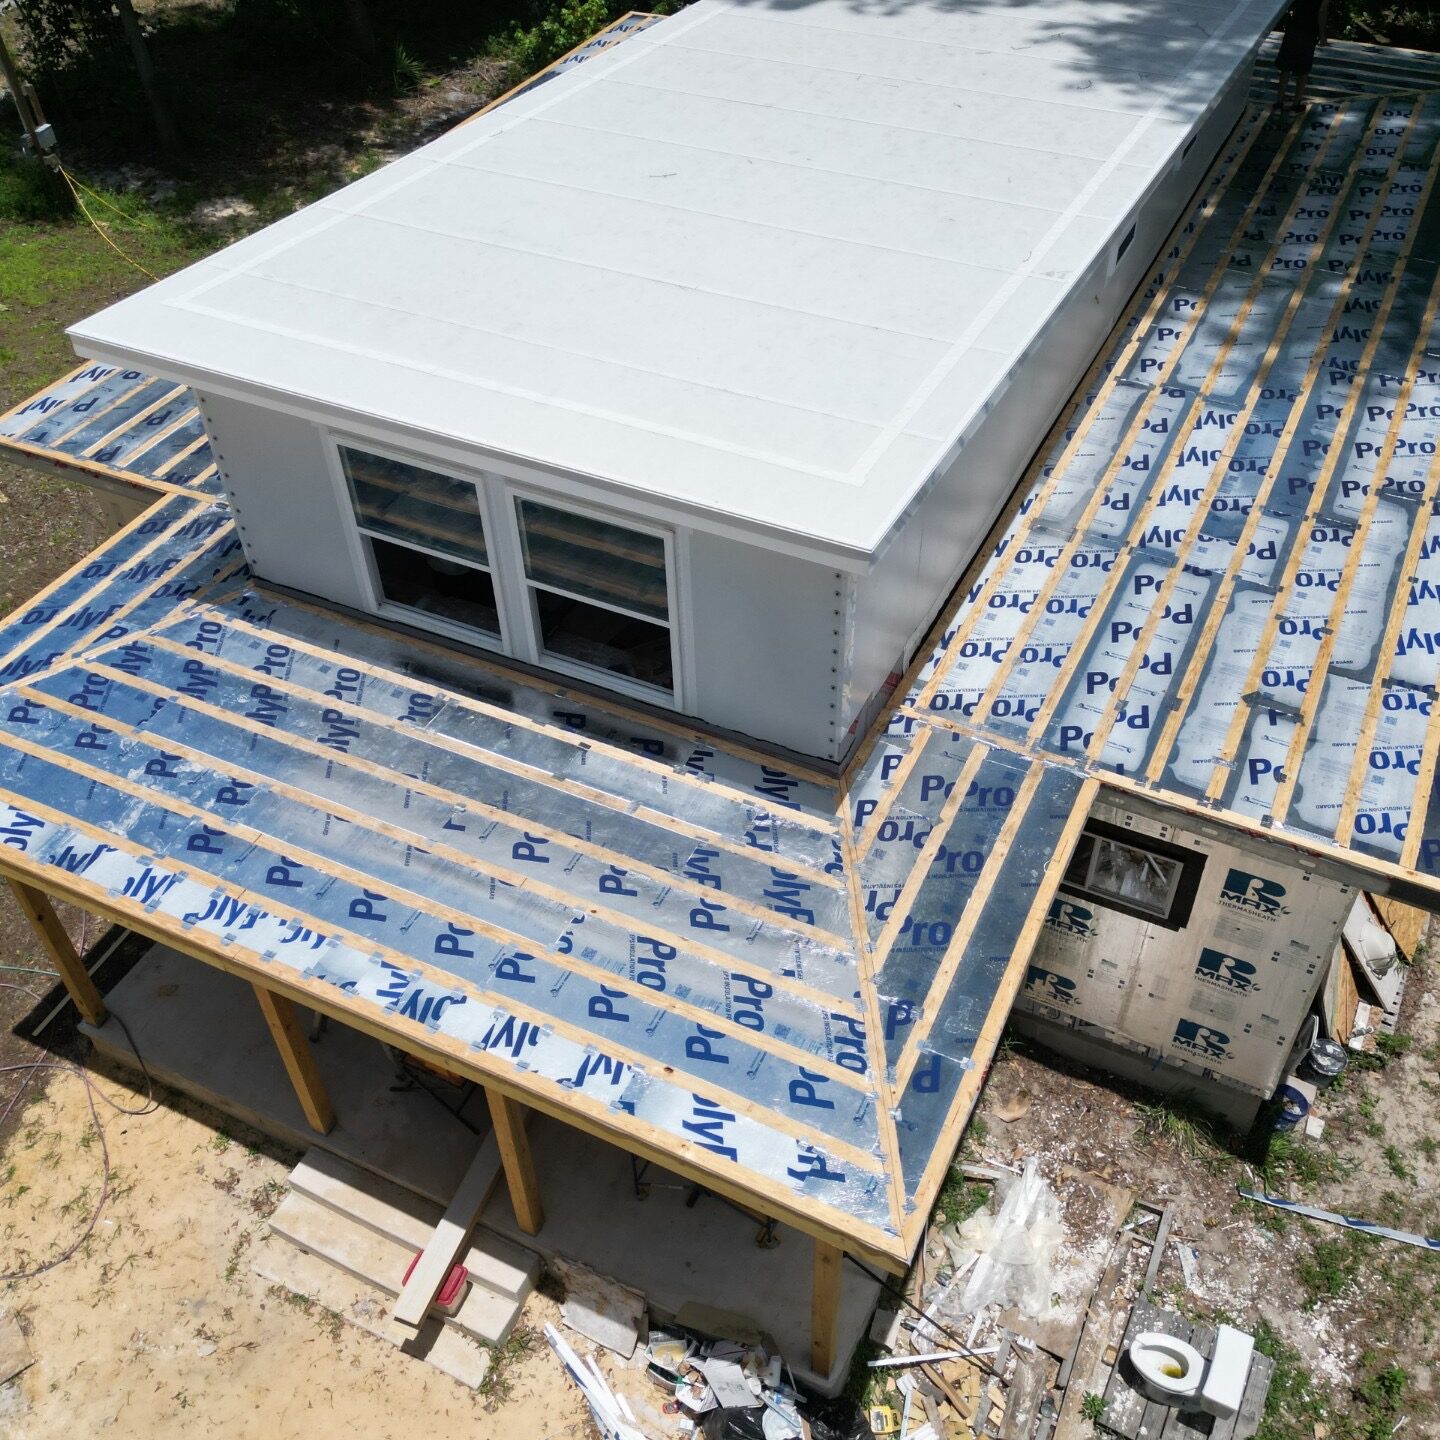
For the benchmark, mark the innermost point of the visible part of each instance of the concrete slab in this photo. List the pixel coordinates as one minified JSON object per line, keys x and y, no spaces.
{"x":673,"y":1252}
{"x":201,"y":1032}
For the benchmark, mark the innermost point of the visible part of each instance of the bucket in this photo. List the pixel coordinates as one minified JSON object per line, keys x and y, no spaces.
{"x":1292,"y":1104}
{"x":1324,"y":1062}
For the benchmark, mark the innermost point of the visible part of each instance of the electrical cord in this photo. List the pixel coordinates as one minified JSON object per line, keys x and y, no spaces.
{"x":75,"y":188}
{"x":92,"y":1091}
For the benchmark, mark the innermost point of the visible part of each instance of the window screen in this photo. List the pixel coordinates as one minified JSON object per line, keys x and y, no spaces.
{"x":426,"y":537}
{"x":599,"y":592}
{"x":1134,"y":874}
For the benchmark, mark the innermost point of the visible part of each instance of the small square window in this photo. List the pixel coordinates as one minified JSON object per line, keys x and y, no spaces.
{"x":1134,"y":874}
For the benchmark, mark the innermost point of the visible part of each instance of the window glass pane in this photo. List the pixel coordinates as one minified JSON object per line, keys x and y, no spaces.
{"x":605,"y":639}
{"x":1145,"y":880}
{"x":439,"y":587}
{"x":411,"y":503}
{"x":589,"y":557}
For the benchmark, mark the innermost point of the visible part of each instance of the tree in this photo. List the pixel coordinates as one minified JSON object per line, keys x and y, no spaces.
{"x":61,"y":33}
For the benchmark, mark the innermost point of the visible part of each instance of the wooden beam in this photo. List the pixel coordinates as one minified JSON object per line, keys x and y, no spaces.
{"x":295,"y":1051}
{"x":446,"y":1245}
{"x":825,"y":1308}
{"x":509,"y":1121}
{"x":36,"y":907}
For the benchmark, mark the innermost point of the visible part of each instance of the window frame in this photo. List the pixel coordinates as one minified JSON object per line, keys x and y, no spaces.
{"x":367,"y":567}
{"x":498,"y":492}
{"x":1187,"y":885}
{"x":528,"y":609}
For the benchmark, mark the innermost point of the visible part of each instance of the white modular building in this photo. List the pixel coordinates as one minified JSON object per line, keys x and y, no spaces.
{"x":700,"y":372}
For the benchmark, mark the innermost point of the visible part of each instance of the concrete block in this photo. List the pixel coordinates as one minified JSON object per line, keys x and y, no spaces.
{"x":448,"y":1350}
{"x":486,"y":1316}
{"x":398,"y":1214}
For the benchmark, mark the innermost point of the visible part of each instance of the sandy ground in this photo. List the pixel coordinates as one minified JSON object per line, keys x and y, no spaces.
{"x":157,"y":1327}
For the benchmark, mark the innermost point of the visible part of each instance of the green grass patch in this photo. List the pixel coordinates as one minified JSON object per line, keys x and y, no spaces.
{"x":1294,"y":1405}
{"x":1186,"y":1126}
{"x":1333,"y":1265}
{"x":959,"y":1198}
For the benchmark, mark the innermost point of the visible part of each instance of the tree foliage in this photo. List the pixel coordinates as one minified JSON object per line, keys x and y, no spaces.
{"x":1411,"y":26}
{"x":61,"y":35}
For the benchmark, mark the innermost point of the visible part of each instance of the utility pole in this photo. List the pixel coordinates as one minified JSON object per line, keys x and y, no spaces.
{"x":39,"y":135}
{"x":17,"y":93}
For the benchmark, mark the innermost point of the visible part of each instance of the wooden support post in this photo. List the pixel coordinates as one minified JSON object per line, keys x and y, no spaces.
{"x":825,"y":1307}
{"x":37,"y":909}
{"x":295,"y":1051}
{"x":509,"y":1120}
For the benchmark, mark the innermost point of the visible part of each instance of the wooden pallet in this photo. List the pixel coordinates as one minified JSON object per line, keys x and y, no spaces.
{"x":1129,"y":1413}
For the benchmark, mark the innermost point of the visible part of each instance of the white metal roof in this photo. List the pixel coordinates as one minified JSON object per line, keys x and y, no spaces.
{"x":763,"y":262}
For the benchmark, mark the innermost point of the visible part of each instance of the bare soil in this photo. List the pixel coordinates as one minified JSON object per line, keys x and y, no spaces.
{"x":157,"y":1327}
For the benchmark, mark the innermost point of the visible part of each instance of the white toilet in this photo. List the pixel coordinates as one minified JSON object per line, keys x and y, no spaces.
{"x":1169,"y":1370}
{"x":1172,"y":1372}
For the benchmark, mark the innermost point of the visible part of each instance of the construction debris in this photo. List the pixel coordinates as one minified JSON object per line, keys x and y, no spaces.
{"x":712,"y":1382}
{"x":1366,"y":1227}
{"x":601,"y":1309}
{"x":612,"y":1415}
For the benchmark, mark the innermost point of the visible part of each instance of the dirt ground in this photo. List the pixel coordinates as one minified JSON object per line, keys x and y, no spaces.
{"x":157,"y":1326}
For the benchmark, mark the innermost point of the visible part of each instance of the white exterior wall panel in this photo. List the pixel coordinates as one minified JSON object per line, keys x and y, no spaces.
{"x":276,"y":471}
{"x":766,"y":632}
{"x":927,"y":555}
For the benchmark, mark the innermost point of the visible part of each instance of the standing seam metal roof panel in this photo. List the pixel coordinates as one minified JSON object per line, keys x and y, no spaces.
{"x":763,"y":263}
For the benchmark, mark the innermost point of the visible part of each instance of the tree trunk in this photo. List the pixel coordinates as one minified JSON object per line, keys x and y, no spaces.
{"x":357,"y":23}
{"x":140,"y":53}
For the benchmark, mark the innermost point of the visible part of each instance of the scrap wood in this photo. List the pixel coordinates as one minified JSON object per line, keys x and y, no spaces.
{"x":1350,"y":1222}
{"x":948,"y":1391}
{"x":1157,"y":1247}
{"x":1093,"y":1351}
{"x":418,"y":1292}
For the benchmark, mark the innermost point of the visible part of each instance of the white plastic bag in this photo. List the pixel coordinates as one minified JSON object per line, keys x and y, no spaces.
{"x":1012,"y":1251}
